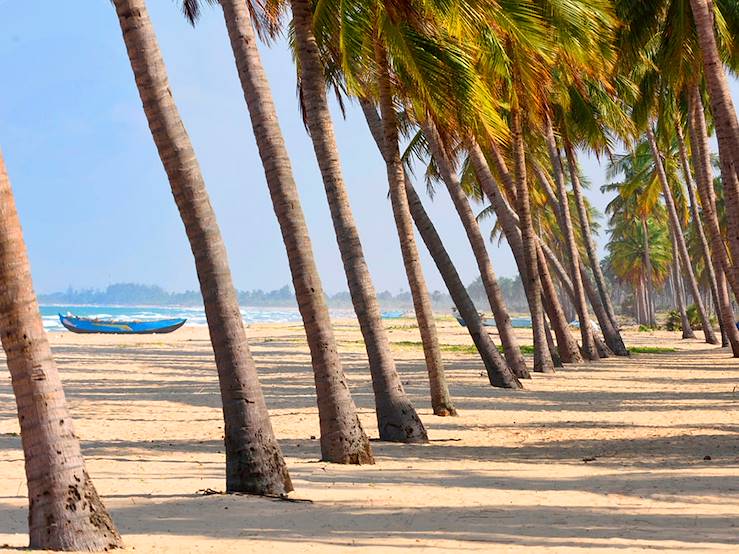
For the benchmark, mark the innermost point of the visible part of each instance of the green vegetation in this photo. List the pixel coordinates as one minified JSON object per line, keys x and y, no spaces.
{"x":651,"y":349}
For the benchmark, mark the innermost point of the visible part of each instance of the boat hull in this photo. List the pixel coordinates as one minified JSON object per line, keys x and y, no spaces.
{"x":83,"y":325}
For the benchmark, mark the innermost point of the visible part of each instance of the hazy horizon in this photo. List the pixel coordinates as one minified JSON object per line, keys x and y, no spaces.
{"x":95,"y":203}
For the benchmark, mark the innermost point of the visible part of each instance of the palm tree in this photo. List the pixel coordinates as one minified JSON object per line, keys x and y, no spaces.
{"x":65,"y":512}
{"x":510,"y":223}
{"x":729,"y":333}
{"x":562,"y":211}
{"x":631,"y":244}
{"x":679,"y":40}
{"x":511,"y":350}
{"x":722,"y":107}
{"x":342,"y":438}
{"x":638,"y":200}
{"x":700,"y":153}
{"x":499,"y":374}
{"x":542,"y":359}
{"x":395,"y":413}
{"x":353,"y":37}
{"x":677,"y":285}
{"x":254,"y":462}
{"x":679,"y":237}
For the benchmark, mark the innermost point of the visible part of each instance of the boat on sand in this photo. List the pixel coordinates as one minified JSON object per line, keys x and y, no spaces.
{"x":119,"y":327}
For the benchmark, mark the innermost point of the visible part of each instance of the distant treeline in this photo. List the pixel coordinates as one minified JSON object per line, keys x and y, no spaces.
{"x":134,"y":294}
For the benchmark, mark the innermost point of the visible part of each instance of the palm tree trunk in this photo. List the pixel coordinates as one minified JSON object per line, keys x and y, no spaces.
{"x":509,"y":221}
{"x":611,"y":335}
{"x":567,"y":349}
{"x":391,"y":403}
{"x":254,"y":462}
{"x":729,"y":333}
{"x":677,"y":286}
{"x":65,"y":512}
{"x":556,"y":360}
{"x":422,"y":303}
{"x":511,"y":350}
{"x":724,"y":116}
{"x":722,"y":106}
{"x":701,"y":152}
{"x":600,"y":281}
{"x":499,"y":374}
{"x":403,"y":220}
{"x":342,"y":438}
{"x":542,"y":357}
{"x":562,"y":211}
{"x":649,"y":274}
{"x":678,"y":234}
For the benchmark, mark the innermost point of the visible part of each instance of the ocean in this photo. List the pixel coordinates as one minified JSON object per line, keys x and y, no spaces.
{"x":195,"y":315}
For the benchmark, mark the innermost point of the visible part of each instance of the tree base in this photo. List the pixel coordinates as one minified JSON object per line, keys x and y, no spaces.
{"x":81,"y":523}
{"x":445,"y":410}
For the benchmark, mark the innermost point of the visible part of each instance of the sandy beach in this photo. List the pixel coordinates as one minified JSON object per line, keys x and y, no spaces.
{"x":625,"y":455}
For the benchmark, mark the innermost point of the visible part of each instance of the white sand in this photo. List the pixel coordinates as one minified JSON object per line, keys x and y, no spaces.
{"x":507,"y":475}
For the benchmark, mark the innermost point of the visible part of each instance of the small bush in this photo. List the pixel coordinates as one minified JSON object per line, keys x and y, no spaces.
{"x":695,"y":320}
{"x":674,"y":321}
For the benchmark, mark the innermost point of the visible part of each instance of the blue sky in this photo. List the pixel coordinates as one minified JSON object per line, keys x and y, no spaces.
{"x":94,"y":200}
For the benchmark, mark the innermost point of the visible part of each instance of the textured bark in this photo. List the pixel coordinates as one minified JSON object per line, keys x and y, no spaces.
{"x":649,"y":275}
{"x":724,"y":117}
{"x":391,"y":402}
{"x":542,"y":356}
{"x":722,"y":106}
{"x":342,"y":438}
{"x":509,"y":222}
{"x":704,"y":176}
{"x":677,"y":232}
{"x":401,"y":213}
{"x":729,"y":332}
{"x":600,"y":313}
{"x":254,"y":461}
{"x":499,"y":374}
{"x":600,"y":281}
{"x":65,"y":512}
{"x":556,"y":360}
{"x":422,"y":304}
{"x":508,"y":339}
{"x":562,"y":210}
{"x":567,"y":349}
{"x":684,"y":321}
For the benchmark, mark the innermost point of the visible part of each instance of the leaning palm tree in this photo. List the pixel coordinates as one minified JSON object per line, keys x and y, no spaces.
{"x":679,"y":238}
{"x":722,"y":106}
{"x":395,"y":54}
{"x":342,"y":438}
{"x":448,"y":175}
{"x":254,"y":462}
{"x":499,"y":374}
{"x":562,"y":213}
{"x":685,"y":39}
{"x":395,"y":413}
{"x":725,"y":278}
{"x":717,"y":283}
{"x":65,"y":512}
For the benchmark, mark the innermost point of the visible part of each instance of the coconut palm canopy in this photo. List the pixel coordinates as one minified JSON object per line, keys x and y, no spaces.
{"x":495,"y":101}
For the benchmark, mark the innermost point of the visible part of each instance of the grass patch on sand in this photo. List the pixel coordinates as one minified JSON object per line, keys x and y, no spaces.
{"x":462,"y":348}
{"x":651,"y":349}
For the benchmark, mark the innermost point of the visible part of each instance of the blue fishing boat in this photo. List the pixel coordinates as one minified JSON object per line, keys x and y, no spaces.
{"x":393,"y":314}
{"x":119,"y":327}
